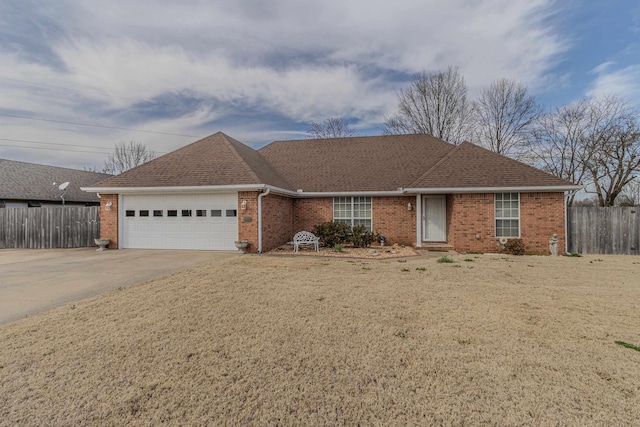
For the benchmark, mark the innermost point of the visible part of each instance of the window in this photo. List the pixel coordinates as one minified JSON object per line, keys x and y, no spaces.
{"x":130,"y":213}
{"x":507,"y":214}
{"x":231,"y":212}
{"x":216,"y":212}
{"x":186,"y":212}
{"x":172,"y":213}
{"x":352,"y":211}
{"x":158,"y":213}
{"x":144,"y":213}
{"x":201,"y":212}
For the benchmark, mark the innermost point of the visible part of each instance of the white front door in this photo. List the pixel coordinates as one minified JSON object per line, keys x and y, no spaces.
{"x":434,"y":218}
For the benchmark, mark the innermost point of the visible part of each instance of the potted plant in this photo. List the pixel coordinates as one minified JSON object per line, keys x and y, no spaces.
{"x":241,"y":245}
{"x":102,"y":243}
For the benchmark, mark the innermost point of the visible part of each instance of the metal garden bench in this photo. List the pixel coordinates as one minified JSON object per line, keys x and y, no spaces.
{"x":306,"y":238}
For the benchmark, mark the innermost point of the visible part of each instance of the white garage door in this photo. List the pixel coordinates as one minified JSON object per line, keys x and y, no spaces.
{"x":195,"y":221}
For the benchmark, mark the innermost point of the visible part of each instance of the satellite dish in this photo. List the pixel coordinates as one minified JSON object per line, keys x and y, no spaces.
{"x":63,"y":190}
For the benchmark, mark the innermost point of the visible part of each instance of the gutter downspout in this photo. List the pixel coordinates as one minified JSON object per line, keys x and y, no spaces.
{"x":260,"y":196}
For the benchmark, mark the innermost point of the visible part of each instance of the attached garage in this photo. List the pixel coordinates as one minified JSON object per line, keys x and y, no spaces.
{"x":203,"y":221}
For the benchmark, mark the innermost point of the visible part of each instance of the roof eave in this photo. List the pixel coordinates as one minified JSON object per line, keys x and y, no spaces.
{"x":188,"y":189}
{"x":310,"y":194}
{"x":173,"y":189}
{"x":520,"y":189}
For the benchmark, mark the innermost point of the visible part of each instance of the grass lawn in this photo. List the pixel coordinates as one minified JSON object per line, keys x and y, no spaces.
{"x":267,"y":340}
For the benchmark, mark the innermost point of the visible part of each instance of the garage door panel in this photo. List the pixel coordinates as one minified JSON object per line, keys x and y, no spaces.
{"x":180,"y":232}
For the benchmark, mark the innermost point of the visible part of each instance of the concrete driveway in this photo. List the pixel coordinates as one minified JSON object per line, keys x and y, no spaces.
{"x":35,"y":280}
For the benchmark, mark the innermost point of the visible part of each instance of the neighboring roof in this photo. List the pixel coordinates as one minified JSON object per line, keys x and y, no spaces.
{"x":357,"y":164}
{"x":368,"y":163}
{"x":471,"y":166}
{"x":30,"y":181}
{"x":215,"y":160}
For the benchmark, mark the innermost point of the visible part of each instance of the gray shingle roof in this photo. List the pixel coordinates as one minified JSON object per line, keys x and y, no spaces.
{"x":471,"y":166}
{"x":370,"y":163}
{"x":30,"y":181}
{"x":215,"y":160}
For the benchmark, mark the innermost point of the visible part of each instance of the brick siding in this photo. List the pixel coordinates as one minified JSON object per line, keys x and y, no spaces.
{"x":308,"y":213}
{"x":471,"y":222}
{"x":109,"y":219}
{"x":393,"y":220}
{"x":390,"y":217}
{"x":248,"y":219}
{"x":277,"y":221}
{"x":542,"y":215}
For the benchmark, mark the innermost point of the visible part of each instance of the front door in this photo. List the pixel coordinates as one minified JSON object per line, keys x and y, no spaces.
{"x":434,"y":218}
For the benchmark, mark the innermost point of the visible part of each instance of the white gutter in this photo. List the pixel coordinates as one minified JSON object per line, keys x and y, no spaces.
{"x":177,"y":189}
{"x":188,"y":189}
{"x":120,"y":221}
{"x":303,"y":194}
{"x":260,"y":196}
{"x":524,"y":189}
{"x":418,"y":220}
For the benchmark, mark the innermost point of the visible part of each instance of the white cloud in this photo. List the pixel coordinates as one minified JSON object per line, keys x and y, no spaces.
{"x":292,"y":60}
{"x":624,"y":82}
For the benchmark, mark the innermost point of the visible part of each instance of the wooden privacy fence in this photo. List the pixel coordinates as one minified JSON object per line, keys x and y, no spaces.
{"x":596,"y":230}
{"x":51,"y":227}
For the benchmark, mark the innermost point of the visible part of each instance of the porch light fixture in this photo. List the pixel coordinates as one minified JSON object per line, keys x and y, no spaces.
{"x":409,"y":207}
{"x":107,"y":206}
{"x":243,"y":205}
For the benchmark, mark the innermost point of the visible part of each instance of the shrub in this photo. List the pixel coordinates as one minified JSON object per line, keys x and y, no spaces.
{"x":361,"y":237}
{"x":332,"y":233}
{"x":515,"y":247}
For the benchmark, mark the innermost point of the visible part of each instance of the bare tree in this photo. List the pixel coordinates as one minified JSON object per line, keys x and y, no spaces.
{"x":557,"y":143}
{"x":631,"y":194}
{"x":330,"y":128}
{"x":504,"y":114}
{"x":613,"y":149}
{"x":435,"y":104}
{"x":594,"y":142}
{"x":127,"y":156}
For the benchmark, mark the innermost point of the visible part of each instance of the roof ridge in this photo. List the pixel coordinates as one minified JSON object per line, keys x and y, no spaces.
{"x":505,"y":157}
{"x":52,"y":166}
{"x":248,"y":168}
{"x":437,"y":164}
{"x":401,"y":135}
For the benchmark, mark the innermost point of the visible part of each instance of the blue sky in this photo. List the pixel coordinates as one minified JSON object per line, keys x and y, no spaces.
{"x":260,"y":71}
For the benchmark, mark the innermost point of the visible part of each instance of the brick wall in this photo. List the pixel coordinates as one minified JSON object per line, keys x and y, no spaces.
{"x":109,"y":219}
{"x":471,"y":221}
{"x":277,"y":221}
{"x":390,"y":216}
{"x":248,"y":219}
{"x":541,"y":215}
{"x":308,"y":213}
{"x":393,"y":220}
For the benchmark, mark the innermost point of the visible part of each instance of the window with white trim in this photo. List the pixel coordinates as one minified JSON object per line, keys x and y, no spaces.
{"x":352,"y":211}
{"x":507,"y":214}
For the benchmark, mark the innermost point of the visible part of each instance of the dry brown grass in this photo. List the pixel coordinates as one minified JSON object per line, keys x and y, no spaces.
{"x":262,"y":340}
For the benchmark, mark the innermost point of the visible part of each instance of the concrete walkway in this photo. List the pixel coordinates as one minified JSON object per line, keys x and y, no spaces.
{"x":35,"y":280}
